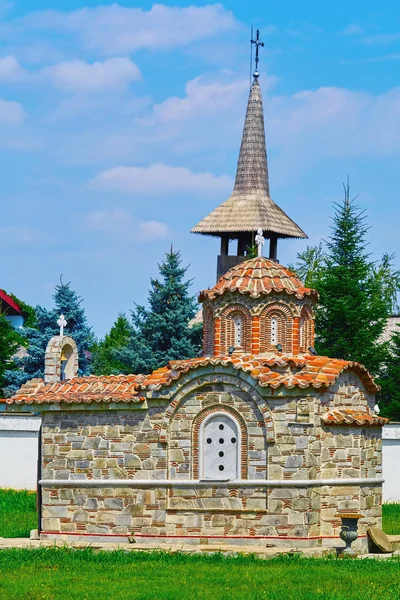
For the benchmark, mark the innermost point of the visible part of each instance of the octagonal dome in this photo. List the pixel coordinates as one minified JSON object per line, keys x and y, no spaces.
{"x":256,"y":277}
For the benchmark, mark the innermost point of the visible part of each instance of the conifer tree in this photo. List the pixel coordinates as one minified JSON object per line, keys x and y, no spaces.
{"x":389,"y":396}
{"x":10,"y":340}
{"x":68,"y":303}
{"x":353,"y":309}
{"x":161,"y":332}
{"x":104,"y":360}
{"x":356,"y":295}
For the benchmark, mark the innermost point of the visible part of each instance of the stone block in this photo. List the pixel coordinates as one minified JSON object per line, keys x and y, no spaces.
{"x":114,"y":503}
{"x":80,"y":517}
{"x":105,"y":518}
{"x":293,"y":461}
{"x":91,"y":504}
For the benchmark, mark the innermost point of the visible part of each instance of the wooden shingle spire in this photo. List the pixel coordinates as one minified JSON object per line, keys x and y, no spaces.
{"x":250,"y":206}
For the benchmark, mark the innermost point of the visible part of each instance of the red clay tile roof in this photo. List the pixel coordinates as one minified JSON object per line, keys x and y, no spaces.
{"x":112,"y":388}
{"x":269,"y":370}
{"x":349,"y":416}
{"x":11,"y":303}
{"x":256,"y":277}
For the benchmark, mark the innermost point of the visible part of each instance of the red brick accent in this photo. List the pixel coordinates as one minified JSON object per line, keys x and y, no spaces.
{"x":255,"y":334}
{"x":228,"y":330}
{"x":208,"y":331}
{"x":217,"y":336}
{"x":285,"y":327}
{"x":296,"y":336}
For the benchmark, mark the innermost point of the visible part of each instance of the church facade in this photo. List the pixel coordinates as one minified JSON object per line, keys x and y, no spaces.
{"x":259,"y":440}
{"x":243,"y":444}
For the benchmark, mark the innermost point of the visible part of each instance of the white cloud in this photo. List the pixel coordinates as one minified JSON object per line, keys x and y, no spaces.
{"x":10,"y":69}
{"x":160,"y":179}
{"x":352,"y":30}
{"x":115,"y":29}
{"x":202,"y":97}
{"x":335,"y":122}
{"x":123,"y":226}
{"x":79,"y":75}
{"x":11,"y":112}
{"x":381,"y":39}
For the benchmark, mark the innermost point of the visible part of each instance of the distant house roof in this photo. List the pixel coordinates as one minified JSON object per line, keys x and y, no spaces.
{"x":270,"y":370}
{"x":10,"y":302}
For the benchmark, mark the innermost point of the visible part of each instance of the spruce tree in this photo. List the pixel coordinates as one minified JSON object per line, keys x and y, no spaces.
{"x":104,"y":360}
{"x":353,"y":309}
{"x":10,"y":340}
{"x":389,"y":396}
{"x":160,"y":332}
{"x":68,"y":303}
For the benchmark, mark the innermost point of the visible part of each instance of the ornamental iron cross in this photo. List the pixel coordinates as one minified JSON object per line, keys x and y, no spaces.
{"x":258,"y":44}
{"x":260,"y":241}
{"x":62,"y":323}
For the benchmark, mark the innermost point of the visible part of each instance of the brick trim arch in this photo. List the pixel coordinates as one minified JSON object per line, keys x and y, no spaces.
{"x":196,"y":428}
{"x":227,"y":328}
{"x":196,"y":383}
{"x":285,"y":327}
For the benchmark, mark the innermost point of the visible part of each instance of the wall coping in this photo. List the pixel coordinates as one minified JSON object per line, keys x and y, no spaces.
{"x":294,"y":483}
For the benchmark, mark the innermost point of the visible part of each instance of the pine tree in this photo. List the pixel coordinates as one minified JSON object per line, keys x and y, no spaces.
{"x":10,"y":340}
{"x":68,"y":303}
{"x":104,"y":359}
{"x":161,"y":332}
{"x":353,"y":308}
{"x":389,"y":396}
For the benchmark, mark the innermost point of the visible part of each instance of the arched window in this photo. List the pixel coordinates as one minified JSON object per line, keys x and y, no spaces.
{"x":238,"y":330}
{"x":67,"y":363}
{"x":274,"y":331}
{"x":220,"y":448}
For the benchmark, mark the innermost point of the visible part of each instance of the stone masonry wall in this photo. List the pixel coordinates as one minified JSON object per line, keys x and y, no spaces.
{"x":126,"y":445}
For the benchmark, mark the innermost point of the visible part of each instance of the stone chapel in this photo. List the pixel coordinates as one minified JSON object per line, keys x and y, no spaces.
{"x":259,"y":440}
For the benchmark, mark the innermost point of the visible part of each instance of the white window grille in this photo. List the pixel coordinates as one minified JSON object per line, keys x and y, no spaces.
{"x":238,"y":325}
{"x":274,"y":330}
{"x":220,"y":448}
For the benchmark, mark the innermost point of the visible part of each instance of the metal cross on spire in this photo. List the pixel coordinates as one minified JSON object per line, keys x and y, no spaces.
{"x":62,"y":323}
{"x":258,"y":44}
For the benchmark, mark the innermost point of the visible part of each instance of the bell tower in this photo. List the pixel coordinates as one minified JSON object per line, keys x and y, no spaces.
{"x":250,"y":206}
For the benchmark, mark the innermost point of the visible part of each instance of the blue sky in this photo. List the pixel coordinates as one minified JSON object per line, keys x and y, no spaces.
{"x":120,"y":126}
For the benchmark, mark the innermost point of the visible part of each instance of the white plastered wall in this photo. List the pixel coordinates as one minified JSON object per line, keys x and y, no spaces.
{"x":391,"y":462}
{"x":18,"y":451}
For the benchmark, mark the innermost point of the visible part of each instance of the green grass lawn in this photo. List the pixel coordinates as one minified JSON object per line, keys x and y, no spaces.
{"x":75,"y":574}
{"x":51,"y":573}
{"x":18,"y":514}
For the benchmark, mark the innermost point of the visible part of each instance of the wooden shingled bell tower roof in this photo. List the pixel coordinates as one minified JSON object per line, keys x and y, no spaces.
{"x":250,"y":206}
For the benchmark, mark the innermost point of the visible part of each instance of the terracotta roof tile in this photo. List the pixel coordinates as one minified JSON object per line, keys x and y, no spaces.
{"x":274,"y":370}
{"x":256,"y":277}
{"x":113,"y":388}
{"x":349,"y":416}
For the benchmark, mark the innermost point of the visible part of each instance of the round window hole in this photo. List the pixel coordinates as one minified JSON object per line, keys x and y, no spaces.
{"x":221,"y":454}
{"x":221,"y":440}
{"x":221,"y":467}
{"x":233,"y":440}
{"x":209,"y":440}
{"x":221,"y":427}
